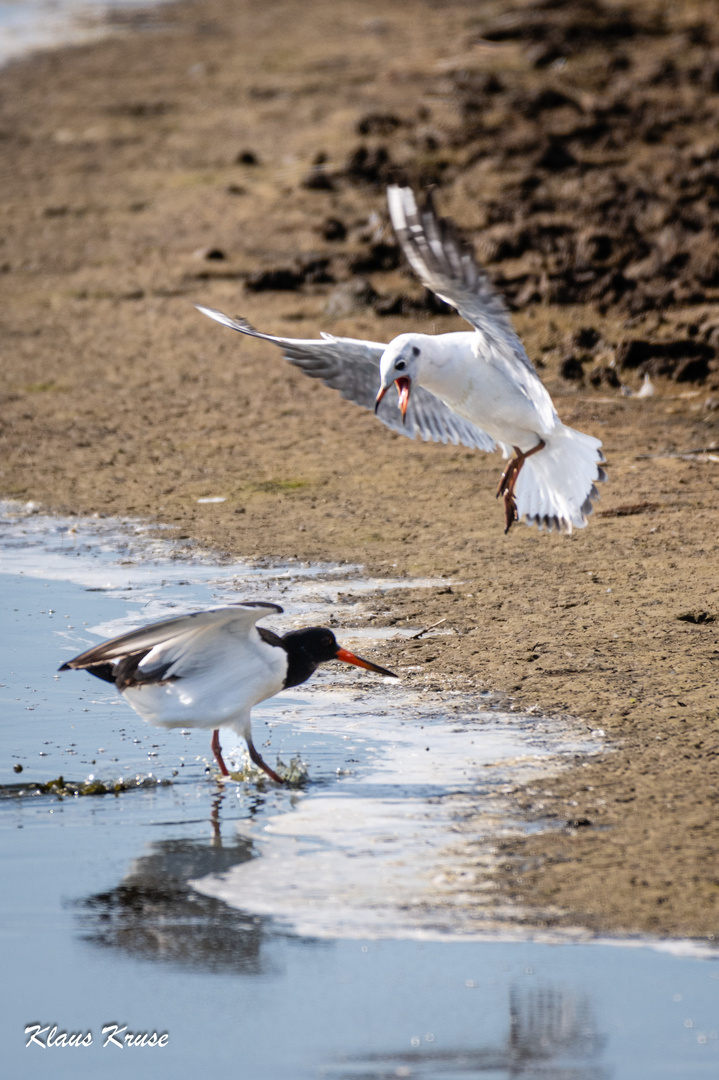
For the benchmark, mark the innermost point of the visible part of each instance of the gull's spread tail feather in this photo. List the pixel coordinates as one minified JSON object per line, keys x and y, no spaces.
{"x":556,"y":487}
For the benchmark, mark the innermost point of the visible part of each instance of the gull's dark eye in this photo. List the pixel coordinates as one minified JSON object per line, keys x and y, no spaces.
{"x":400,"y":365}
{"x":415,"y":351}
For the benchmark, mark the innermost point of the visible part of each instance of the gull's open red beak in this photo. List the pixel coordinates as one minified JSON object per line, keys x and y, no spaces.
{"x":403,"y":385}
{"x":349,"y":658}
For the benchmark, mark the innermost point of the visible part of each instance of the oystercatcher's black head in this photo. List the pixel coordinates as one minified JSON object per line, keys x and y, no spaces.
{"x":315,"y":645}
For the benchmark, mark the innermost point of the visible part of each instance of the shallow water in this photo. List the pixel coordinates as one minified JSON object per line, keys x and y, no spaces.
{"x":347,"y":929}
{"x":26,"y":25}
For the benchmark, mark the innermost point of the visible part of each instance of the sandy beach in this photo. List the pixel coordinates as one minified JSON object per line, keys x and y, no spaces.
{"x":210,"y":152}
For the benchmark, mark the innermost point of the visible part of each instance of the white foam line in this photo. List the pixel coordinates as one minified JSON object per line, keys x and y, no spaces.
{"x":382,"y":853}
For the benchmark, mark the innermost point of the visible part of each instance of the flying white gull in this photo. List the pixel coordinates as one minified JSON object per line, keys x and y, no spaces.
{"x":209,"y":668}
{"x":476,"y":387}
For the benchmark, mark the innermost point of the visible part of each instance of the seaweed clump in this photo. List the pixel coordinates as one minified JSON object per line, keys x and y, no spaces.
{"x":75,"y":788}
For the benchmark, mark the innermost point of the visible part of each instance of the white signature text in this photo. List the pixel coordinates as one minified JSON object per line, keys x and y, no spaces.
{"x":49,"y":1038}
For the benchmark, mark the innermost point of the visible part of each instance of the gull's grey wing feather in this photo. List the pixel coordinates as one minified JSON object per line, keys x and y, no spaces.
{"x":445,"y":264}
{"x":352,"y":367}
{"x":237,"y":618}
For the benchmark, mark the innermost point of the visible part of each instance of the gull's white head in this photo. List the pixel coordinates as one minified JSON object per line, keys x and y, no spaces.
{"x":402,"y":363}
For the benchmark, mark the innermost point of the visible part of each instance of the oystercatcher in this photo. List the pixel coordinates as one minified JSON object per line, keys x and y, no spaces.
{"x":477,"y":387}
{"x":209,"y":668}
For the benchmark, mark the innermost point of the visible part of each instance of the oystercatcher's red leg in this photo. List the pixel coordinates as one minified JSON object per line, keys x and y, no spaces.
{"x":258,"y":761}
{"x":508,"y":481}
{"x":217,"y":751}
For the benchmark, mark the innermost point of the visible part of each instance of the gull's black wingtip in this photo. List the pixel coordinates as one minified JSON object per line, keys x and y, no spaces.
{"x":64,"y":667}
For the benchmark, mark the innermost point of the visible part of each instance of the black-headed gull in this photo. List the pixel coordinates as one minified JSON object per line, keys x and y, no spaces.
{"x":209,"y":668}
{"x":476,"y":387}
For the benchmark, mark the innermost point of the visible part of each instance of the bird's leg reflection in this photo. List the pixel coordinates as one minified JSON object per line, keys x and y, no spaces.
{"x":509,"y":479}
{"x":215,"y":819}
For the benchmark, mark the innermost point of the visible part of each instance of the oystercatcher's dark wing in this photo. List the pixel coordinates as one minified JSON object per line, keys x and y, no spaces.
{"x":150,"y":653}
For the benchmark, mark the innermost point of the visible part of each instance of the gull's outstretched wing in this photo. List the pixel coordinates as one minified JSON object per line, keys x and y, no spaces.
{"x":174,"y":635}
{"x":352,"y":367}
{"x":445,"y":264}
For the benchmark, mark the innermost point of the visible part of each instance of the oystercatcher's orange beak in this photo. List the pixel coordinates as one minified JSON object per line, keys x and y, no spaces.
{"x":403,"y":385}
{"x":349,"y":658}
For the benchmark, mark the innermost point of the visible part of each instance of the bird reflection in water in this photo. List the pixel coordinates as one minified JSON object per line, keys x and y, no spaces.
{"x":552,"y":1035}
{"x":156,"y":914}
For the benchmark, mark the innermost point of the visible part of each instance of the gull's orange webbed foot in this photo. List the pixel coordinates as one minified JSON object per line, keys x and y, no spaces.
{"x":509,"y":480}
{"x":507,"y":477}
{"x":510,"y":511}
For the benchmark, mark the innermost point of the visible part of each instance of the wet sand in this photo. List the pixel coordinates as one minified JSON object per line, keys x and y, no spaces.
{"x":215,"y":145}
